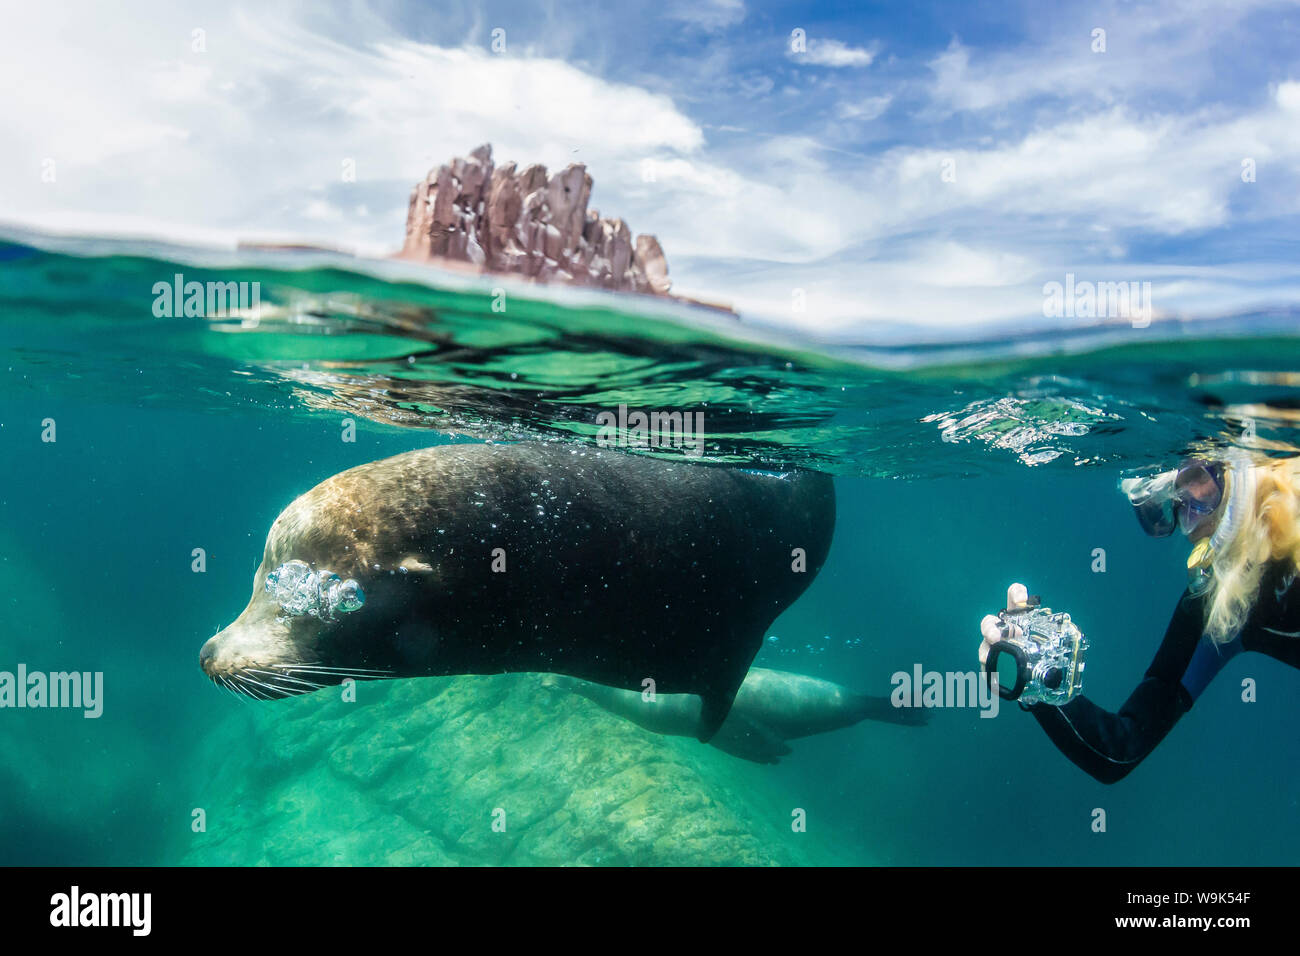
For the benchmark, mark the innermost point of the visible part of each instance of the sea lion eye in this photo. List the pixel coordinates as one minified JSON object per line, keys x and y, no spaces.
{"x":299,"y":590}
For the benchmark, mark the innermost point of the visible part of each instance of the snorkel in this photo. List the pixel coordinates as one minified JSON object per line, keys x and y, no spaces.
{"x":1237,"y":505}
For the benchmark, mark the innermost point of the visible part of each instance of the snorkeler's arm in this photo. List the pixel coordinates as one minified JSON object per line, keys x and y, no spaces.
{"x":1107,"y":745}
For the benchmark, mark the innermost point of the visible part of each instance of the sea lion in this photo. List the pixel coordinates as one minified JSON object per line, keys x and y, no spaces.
{"x":771,"y":708}
{"x":485,"y":559}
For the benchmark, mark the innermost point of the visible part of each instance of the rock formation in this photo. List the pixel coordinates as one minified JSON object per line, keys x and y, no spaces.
{"x":527,"y":223}
{"x":417,"y":772}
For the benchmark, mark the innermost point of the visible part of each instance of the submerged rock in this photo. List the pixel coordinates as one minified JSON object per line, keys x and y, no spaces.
{"x":416,"y":772}
{"x":527,"y":223}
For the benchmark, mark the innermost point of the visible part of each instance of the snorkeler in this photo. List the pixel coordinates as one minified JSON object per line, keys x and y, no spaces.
{"x":1242,"y":596}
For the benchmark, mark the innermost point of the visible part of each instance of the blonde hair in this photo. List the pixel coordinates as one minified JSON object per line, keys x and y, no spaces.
{"x":1268,"y":533}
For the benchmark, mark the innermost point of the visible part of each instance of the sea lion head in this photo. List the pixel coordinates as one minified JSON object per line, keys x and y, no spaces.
{"x":335,"y":597}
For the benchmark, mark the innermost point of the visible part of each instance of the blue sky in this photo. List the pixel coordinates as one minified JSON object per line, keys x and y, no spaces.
{"x":933,"y":163}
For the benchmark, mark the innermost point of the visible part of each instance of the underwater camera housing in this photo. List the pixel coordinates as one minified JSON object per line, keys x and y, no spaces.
{"x":1048,"y":650}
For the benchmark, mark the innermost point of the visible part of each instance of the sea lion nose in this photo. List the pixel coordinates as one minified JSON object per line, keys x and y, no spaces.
{"x":207,"y":653}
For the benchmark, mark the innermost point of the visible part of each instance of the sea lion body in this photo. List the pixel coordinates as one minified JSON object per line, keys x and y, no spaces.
{"x":485,"y":559}
{"x":771,"y":707}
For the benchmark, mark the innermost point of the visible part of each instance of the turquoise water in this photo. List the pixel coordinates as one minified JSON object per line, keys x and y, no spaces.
{"x":961,"y":464}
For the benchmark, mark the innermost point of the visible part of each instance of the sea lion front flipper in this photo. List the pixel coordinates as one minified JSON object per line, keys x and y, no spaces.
{"x":716,"y":700}
{"x":713,"y":711}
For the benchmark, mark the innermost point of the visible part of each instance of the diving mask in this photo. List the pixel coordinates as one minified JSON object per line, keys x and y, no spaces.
{"x":1182,"y":498}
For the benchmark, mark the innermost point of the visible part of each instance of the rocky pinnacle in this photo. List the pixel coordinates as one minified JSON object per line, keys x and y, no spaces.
{"x":526,"y":222}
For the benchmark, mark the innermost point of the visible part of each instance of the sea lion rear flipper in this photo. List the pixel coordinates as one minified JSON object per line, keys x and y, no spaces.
{"x":866,"y":707}
{"x":750,"y":740}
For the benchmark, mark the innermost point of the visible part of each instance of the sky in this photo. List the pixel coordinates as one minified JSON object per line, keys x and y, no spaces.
{"x":826,"y":165}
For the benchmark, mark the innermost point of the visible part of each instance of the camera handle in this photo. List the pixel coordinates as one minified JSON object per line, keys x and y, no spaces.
{"x":1022,"y":667}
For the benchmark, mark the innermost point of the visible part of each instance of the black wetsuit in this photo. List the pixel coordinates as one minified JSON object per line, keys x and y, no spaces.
{"x":1109,"y":745}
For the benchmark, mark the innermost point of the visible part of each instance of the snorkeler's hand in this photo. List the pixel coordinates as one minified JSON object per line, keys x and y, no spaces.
{"x":991,"y":625}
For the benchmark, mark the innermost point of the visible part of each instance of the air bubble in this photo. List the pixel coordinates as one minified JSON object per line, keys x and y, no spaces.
{"x":299,"y":590}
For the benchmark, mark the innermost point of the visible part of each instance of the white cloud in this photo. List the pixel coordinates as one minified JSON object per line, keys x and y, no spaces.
{"x":1165,"y":174}
{"x":710,"y":15}
{"x":1104,"y":173}
{"x":1288,"y":96}
{"x":865,"y":110}
{"x":247,"y":139}
{"x":1006,"y":80}
{"x":1149,"y":47}
{"x":1019,"y":213}
{"x":834,"y":53}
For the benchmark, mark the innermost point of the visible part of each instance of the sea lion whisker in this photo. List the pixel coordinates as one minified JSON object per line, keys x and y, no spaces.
{"x":274,"y":690}
{"x":241,"y":690}
{"x":285,"y":677}
{"x":274,"y":684}
{"x":330,"y":668}
{"x":311,"y":685}
{"x":348,"y":675}
{"x":243,"y":695}
{"x":242,"y":683}
{"x":224,"y":685}
{"x":336,"y":676}
{"x":316,"y":665}
{"x":342,"y":673}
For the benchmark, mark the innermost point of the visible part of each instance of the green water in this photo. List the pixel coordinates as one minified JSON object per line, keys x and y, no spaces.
{"x":961,"y":462}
